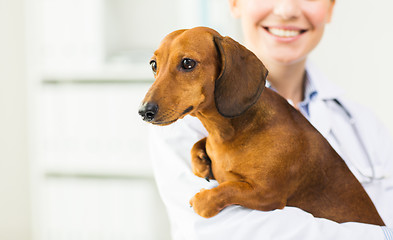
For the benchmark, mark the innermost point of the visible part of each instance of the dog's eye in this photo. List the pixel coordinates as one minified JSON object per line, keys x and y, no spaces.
{"x":153,"y":65}
{"x":188,"y":64}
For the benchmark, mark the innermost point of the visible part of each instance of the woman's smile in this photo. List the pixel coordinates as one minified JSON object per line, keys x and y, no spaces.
{"x":284,"y":33}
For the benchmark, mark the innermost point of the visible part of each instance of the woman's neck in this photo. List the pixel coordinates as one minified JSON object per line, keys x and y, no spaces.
{"x":288,"y":80}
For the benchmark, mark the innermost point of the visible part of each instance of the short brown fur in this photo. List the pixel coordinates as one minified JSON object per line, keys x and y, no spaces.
{"x":264,"y":154}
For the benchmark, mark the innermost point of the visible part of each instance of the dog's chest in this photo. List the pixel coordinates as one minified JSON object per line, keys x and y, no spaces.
{"x":226,"y":165}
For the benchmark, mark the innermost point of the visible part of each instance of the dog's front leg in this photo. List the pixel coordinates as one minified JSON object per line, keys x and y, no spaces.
{"x":200,"y":161}
{"x":209,"y":202}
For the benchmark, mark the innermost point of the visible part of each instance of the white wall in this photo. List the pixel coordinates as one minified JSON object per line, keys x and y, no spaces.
{"x":356,"y":53}
{"x":14,"y":172}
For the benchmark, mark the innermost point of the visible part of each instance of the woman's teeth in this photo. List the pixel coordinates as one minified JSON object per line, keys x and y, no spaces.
{"x":279,"y":32}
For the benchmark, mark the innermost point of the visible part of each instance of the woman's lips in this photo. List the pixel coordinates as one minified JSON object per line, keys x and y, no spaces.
{"x":285,"y":33}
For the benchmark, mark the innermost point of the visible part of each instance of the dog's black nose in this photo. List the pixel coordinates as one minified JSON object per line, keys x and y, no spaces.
{"x":148,"y":111}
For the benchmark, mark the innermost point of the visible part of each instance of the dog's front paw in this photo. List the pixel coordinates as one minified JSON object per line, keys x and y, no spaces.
{"x":200,"y":161}
{"x":204,"y":204}
{"x":201,"y":165}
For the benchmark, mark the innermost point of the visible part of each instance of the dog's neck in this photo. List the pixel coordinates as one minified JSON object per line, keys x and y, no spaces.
{"x":218,"y":126}
{"x":225,"y":129}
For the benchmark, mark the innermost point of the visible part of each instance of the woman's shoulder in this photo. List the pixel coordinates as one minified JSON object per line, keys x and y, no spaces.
{"x":329,"y":92}
{"x":360,"y":112}
{"x":374,"y":132}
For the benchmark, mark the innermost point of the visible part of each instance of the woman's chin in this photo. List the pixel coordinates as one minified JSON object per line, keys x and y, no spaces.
{"x":288,"y":59}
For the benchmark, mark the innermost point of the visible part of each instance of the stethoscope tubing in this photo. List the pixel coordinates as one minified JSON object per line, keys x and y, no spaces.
{"x":355,"y":130}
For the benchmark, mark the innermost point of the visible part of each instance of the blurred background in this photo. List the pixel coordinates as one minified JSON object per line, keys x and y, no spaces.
{"x":74,"y":160}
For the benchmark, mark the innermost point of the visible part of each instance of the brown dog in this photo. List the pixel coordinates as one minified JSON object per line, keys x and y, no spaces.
{"x":262,"y":151}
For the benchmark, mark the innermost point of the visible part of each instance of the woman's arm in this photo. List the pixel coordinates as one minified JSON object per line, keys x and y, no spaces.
{"x":170,"y":153}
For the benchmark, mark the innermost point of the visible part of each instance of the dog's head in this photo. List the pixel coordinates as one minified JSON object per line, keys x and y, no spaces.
{"x":196,"y":69}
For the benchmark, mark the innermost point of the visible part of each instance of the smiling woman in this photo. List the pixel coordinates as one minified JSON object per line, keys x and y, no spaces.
{"x":281,"y":33}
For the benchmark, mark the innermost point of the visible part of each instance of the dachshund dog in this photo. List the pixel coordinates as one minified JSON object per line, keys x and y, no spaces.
{"x":263,"y":152}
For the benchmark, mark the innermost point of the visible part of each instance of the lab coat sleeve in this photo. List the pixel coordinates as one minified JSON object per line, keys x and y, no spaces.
{"x":170,"y":153}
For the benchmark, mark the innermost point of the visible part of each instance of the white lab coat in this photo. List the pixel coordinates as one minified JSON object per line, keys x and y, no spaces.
{"x":170,"y":153}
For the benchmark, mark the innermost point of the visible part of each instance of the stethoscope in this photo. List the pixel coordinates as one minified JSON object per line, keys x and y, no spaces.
{"x":369,"y":178}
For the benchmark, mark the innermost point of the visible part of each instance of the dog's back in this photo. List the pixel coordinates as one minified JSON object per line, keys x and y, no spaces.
{"x":305,"y":168}
{"x":329,"y":190}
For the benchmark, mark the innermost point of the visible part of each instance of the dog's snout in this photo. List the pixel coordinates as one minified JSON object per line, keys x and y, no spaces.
{"x":148,"y":111}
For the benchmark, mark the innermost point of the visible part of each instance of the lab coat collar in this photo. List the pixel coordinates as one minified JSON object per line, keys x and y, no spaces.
{"x":325,"y":89}
{"x":319,"y":114}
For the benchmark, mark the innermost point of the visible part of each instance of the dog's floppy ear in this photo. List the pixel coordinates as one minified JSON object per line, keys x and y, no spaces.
{"x":242,"y":78}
